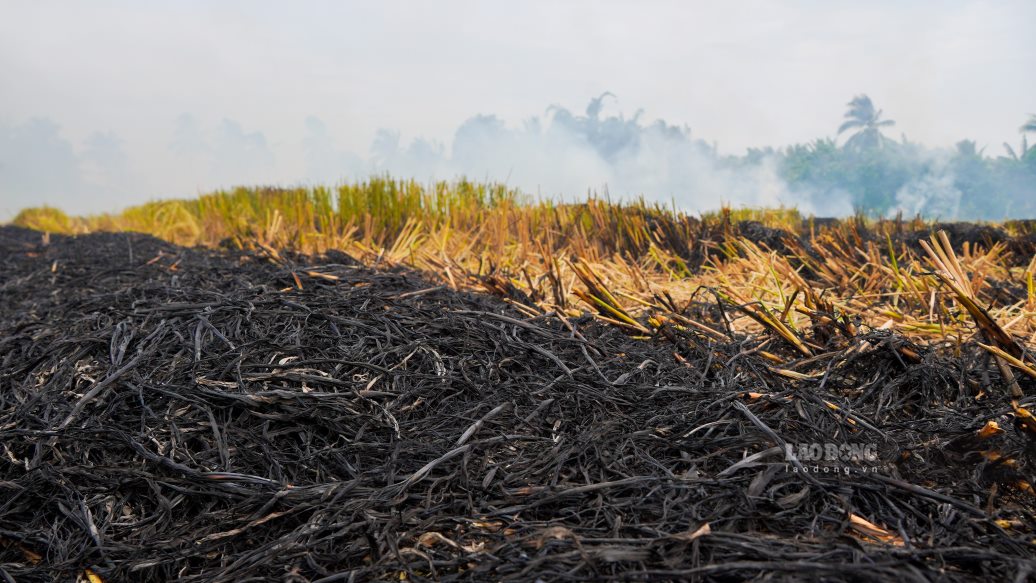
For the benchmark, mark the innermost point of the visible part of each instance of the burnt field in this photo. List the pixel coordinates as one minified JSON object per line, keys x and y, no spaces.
{"x":171,"y":413}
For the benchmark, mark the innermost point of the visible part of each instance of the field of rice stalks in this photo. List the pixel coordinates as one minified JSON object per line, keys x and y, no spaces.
{"x":634,"y":264}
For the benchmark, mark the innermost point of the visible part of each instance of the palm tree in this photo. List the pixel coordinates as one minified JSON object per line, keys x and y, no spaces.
{"x":862,"y":115}
{"x":1019,"y":155}
{"x":1029,"y":126}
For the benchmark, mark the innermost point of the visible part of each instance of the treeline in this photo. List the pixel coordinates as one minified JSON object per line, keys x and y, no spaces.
{"x":861,"y":169}
{"x":885,"y":176}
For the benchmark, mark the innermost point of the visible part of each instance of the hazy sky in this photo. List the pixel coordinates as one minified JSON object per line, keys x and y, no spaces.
{"x":105,"y":103}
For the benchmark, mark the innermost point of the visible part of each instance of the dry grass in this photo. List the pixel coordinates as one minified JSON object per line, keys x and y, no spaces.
{"x":635,"y":264}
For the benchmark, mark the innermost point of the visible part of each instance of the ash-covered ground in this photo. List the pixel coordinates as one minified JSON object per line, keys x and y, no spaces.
{"x":182,"y":414}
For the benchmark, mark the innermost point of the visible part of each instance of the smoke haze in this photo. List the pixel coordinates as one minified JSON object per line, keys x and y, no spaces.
{"x":114,"y":102}
{"x":561,"y":155}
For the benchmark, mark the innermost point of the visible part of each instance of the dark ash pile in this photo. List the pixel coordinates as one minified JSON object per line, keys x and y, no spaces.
{"x":176,"y":414}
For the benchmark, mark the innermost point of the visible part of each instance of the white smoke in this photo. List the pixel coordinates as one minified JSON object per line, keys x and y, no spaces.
{"x":560,"y":154}
{"x":933,"y":193}
{"x":563,"y":155}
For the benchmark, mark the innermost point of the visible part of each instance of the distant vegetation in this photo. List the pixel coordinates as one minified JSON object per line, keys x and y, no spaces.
{"x":883,"y":175}
{"x":864,"y":168}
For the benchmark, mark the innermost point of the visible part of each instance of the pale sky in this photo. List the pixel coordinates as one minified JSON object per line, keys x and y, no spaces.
{"x":146,"y":99}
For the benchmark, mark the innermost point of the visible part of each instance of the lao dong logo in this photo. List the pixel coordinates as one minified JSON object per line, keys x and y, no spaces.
{"x":826,"y":458}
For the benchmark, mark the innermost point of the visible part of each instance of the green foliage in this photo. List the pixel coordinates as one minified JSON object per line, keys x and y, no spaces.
{"x":899,"y":176}
{"x":882,"y":176}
